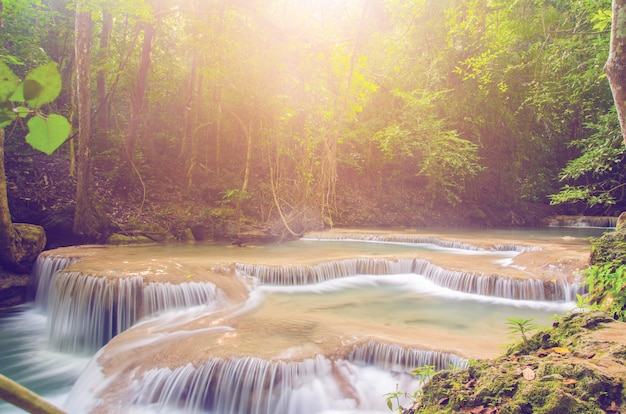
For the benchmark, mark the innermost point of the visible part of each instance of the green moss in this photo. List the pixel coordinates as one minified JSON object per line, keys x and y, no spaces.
{"x":562,"y":382}
{"x":611,"y":247}
{"x":119,"y":239}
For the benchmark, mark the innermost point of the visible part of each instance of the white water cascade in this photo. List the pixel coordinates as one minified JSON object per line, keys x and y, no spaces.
{"x":394,"y":357}
{"x":467,"y":282}
{"x":86,"y":311}
{"x":315,"y":334}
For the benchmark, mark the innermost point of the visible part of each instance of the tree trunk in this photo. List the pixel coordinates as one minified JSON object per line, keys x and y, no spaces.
{"x":186,"y":145}
{"x":140,"y":90}
{"x":102,"y":114}
{"x":85,"y":221}
{"x":10,"y":241}
{"x":19,"y":244}
{"x":615,"y":68}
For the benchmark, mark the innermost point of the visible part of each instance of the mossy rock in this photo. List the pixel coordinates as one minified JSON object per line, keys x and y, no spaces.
{"x":33,"y":241}
{"x":611,"y":247}
{"x":557,"y":371}
{"x":120,"y":239}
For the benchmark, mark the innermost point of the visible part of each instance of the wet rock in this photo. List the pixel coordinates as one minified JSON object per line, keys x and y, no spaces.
{"x":119,"y":239}
{"x":14,"y":289}
{"x":187,"y":236}
{"x":33,"y":242}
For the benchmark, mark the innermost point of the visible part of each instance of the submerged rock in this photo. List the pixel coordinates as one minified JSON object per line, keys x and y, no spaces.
{"x":576,"y":367}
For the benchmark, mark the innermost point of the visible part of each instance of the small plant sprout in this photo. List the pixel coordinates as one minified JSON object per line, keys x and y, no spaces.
{"x":521,"y":326}
{"x":395,"y":396}
{"x":582,"y":303}
{"x":424,"y":373}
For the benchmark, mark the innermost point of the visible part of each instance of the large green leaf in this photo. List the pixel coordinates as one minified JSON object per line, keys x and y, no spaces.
{"x":41,"y":86}
{"x":47,"y":134}
{"x":8,"y":82}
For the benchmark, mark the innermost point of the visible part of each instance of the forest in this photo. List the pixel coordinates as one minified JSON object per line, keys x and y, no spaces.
{"x":130,"y":121}
{"x":217,"y":118}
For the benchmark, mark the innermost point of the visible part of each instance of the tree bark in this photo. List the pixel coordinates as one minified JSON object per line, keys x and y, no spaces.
{"x":24,"y":398}
{"x":10,"y":241}
{"x":85,"y":222}
{"x":20,"y":243}
{"x":102,"y":114}
{"x":615,"y":67}
{"x":140,"y":90}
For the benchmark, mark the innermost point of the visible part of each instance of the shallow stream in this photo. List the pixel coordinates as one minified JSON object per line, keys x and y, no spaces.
{"x":323,"y":325}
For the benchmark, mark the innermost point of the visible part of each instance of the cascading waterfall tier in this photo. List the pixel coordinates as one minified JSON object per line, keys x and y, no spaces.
{"x":238,"y":386}
{"x":247,"y":384}
{"x":480,"y":284}
{"x":394,"y":357}
{"x":583,"y":221}
{"x":86,"y":311}
{"x":45,"y":269}
{"x":416,"y":239}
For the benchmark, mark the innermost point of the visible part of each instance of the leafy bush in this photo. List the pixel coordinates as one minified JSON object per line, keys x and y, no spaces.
{"x":607,"y":286}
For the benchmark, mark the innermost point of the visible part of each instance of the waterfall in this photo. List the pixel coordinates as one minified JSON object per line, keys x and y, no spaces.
{"x":86,"y":311}
{"x":239,"y":386}
{"x":43,"y":273}
{"x":480,"y":284}
{"x":394,"y":357}
{"x":159,"y":297}
{"x":582,"y":221}
{"x":415,"y":239}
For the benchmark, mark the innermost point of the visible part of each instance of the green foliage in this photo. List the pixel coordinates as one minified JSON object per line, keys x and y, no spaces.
{"x":424,"y":374}
{"x":41,"y":86}
{"x":440,"y":155}
{"x":599,"y":168}
{"x":607,"y":285}
{"x":602,"y":19}
{"x":521,"y":326}
{"x":233,"y":195}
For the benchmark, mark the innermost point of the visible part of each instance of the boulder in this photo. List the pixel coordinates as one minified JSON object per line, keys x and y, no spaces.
{"x":119,"y":239}
{"x":14,"y":289}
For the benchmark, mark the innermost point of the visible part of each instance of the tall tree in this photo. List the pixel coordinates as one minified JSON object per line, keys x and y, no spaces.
{"x":86,"y":220}
{"x":616,"y":64}
{"x":149,"y":32}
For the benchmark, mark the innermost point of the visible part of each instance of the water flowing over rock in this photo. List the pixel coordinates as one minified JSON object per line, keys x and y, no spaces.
{"x":302,"y":327}
{"x":241,"y":386}
{"x":582,"y":221}
{"x":87,"y":311}
{"x":44,"y":271}
{"x":398,"y":358}
{"x":480,"y":284}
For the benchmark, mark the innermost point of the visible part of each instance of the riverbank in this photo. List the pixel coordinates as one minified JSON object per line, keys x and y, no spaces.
{"x":578,"y":366}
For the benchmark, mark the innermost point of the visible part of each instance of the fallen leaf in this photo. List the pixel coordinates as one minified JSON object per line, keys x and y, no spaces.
{"x":569,"y":381}
{"x":528,"y":373}
{"x":476,"y":410}
{"x":443,"y":401}
{"x":613,"y":408}
{"x":561,"y":351}
{"x":591,"y":355}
